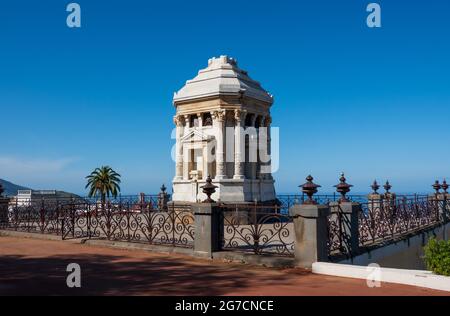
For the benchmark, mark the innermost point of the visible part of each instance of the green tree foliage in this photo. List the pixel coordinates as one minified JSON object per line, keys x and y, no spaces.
{"x":437,"y":256}
{"x":103,"y":182}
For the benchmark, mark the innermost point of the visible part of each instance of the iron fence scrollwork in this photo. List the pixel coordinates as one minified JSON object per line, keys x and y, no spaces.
{"x":257,"y":229}
{"x":131,"y":222}
{"x":338,"y":226}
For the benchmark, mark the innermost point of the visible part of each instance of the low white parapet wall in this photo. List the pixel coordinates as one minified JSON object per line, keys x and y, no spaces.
{"x":425,"y":279}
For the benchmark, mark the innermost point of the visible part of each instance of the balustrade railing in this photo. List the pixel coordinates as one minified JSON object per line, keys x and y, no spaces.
{"x":385,"y":220}
{"x":130,"y":222}
{"x":338,"y":226}
{"x":253,"y":228}
{"x":257,"y":229}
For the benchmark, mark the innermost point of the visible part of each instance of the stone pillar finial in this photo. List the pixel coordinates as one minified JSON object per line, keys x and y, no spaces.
{"x":343,"y":188}
{"x":375,"y":187}
{"x":445,"y":186}
{"x":437,"y":186}
{"x":209,"y":189}
{"x":309,"y":188}
{"x":387,"y":187}
{"x":163,"y":198}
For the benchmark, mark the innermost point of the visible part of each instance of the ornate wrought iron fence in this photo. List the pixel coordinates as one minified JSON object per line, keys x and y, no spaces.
{"x":257,"y":229}
{"x":384,"y":220}
{"x":130,"y":222}
{"x":339,"y":239}
{"x":34,"y":217}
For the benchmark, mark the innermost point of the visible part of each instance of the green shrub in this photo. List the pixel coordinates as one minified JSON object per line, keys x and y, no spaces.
{"x":437,"y":256}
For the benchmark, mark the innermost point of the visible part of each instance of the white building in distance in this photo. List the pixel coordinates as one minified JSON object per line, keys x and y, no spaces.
{"x":223,"y":131}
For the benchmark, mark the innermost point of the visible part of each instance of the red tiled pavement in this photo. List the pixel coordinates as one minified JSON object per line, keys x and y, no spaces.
{"x":31,"y":266}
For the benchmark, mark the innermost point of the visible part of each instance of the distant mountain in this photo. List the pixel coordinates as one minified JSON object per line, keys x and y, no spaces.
{"x":11,"y":188}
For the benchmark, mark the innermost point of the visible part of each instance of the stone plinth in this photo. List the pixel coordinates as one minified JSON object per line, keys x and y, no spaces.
{"x":208,"y":229}
{"x":311,"y":234}
{"x":229,"y":190}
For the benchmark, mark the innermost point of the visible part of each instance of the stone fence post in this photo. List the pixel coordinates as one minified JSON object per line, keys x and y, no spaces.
{"x":311,"y":233}
{"x":208,"y":229}
{"x":443,"y":204}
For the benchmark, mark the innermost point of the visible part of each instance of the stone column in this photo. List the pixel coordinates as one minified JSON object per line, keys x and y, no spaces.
{"x":200,"y":119}
{"x":310,"y":233}
{"x":185,"y":153}
{"x":250,"y":148}
{"x":187,"y":121}
{"x":238,"y":170}
{"x":262,"y":164}
{"x":219,"y":118}
{"x":178,"y":120}
{"x":258,"y":161}
{"x":208,"y":229}
{"x":268,"y":121}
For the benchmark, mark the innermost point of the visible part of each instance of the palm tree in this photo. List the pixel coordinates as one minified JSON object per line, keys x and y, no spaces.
{"x":103,"y":182}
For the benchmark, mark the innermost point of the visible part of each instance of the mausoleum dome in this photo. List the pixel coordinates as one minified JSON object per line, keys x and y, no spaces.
{"x":222,"y":77}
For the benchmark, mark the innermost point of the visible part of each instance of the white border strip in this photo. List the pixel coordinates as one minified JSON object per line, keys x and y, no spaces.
{"x":419,"y":278}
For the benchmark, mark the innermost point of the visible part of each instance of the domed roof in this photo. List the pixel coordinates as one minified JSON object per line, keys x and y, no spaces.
{"x":222,"y":77}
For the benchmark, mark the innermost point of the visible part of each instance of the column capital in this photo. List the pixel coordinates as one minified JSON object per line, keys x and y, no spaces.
{"x":239,"y":115}
{"x":219,"y":115}
{"x":179,"y":120}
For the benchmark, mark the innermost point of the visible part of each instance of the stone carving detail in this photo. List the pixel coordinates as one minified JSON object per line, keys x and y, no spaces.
{"x":178,"y":120}
{"x":221,"y":115}
{"x":239,"y":115}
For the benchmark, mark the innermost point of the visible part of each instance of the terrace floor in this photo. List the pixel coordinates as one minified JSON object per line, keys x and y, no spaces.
{"x":32,"y":266}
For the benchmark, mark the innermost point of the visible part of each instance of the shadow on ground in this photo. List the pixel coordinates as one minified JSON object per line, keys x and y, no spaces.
{"x":117,"y":275}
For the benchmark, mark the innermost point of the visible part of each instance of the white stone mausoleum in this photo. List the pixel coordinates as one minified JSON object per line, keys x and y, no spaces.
{"x":222,"y":130}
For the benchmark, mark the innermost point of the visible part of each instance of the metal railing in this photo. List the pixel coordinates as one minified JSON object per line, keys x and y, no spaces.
{"x":120,"y":220}
{"x":34,"y":217}
{"x":253,"y":228}
{"x":257,"y":229}
{"x":385,"y":220}
{"x":381,"y":221}
{"x":339,"y":228}
{"x":130,"y":222}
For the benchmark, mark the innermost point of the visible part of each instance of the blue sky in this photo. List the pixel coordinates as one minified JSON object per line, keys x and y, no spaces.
{"x":374,"y":103}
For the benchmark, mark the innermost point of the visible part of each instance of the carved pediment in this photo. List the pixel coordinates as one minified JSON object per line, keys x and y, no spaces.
{"x":196,"y":136}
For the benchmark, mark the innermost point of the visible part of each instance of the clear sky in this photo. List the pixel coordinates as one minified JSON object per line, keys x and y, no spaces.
{"x":374,"y":103}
